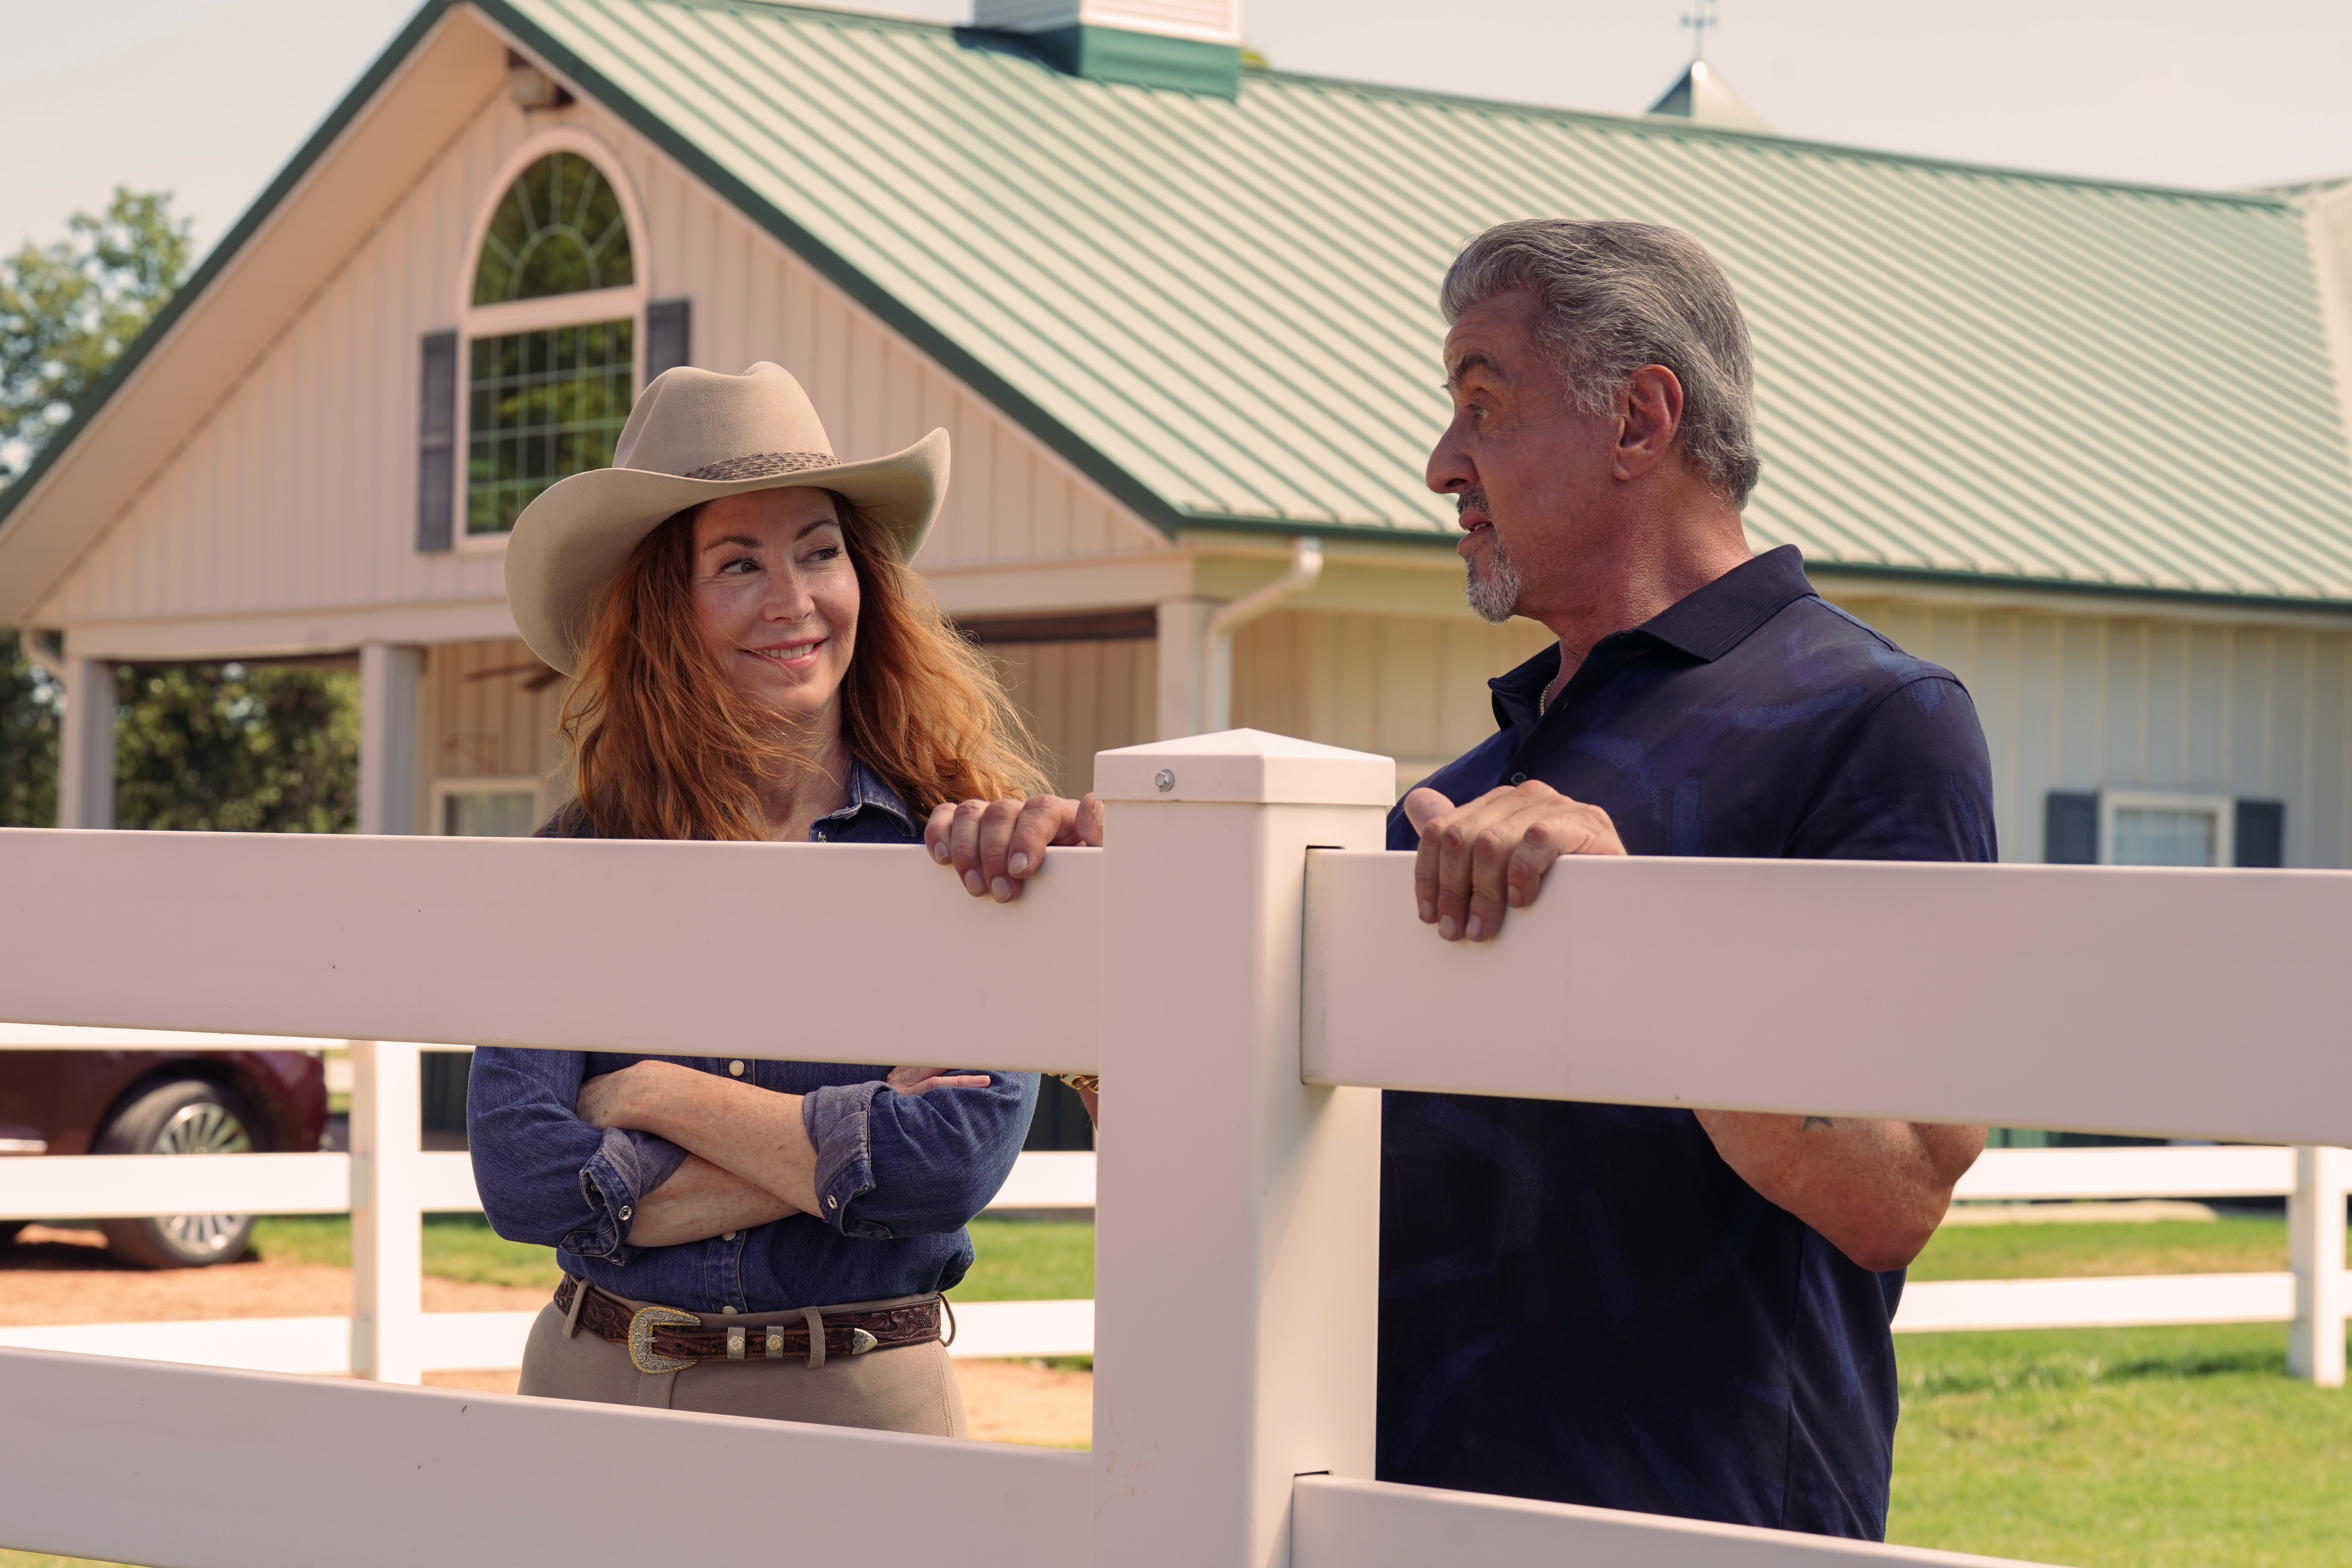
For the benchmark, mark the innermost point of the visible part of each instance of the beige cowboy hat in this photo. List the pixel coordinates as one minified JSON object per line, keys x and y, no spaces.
{"x":693,"y":436}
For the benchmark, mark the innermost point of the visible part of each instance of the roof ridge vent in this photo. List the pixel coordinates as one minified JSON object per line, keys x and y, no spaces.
{"x":1703,"y":98}
{"x":1190,"y":45}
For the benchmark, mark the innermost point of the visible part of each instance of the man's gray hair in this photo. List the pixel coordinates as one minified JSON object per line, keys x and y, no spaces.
{"x":1614,"y":297}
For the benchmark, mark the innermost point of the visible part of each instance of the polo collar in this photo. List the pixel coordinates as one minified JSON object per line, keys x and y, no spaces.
{"x":1705,"y":624}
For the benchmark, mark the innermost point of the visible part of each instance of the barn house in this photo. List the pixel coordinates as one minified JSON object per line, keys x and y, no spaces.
{"x":2082,"y":442}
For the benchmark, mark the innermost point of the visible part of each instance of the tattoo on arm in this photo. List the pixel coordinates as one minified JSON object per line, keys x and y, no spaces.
{"x":1812,"y":1122}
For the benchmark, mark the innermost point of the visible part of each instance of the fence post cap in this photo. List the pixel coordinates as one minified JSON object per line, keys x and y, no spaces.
{"x":1246,"y":766}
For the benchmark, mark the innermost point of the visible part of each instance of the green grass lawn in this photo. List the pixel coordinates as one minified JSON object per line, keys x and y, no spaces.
{"x":2233,"y":1245}
{"x":1019,"y":1260}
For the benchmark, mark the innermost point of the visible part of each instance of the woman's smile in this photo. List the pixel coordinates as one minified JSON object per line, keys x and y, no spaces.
{"x":794,"y":656}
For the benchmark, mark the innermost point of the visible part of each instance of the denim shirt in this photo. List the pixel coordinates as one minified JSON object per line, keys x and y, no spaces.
{"x":898,"y":1175}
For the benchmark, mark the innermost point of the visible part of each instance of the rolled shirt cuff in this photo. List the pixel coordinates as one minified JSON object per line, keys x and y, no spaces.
{"x":627,"y":1165}
{"x":840,"y":1119}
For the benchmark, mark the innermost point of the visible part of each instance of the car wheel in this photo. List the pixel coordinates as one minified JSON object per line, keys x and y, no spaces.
{"x":192,"y":1117}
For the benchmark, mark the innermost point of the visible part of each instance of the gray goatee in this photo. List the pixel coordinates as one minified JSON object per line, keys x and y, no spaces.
{"x":1495,"y":595}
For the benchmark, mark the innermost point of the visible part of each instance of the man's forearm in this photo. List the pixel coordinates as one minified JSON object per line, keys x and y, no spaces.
{"x":1875,"y":1190}
{"x":698,"y":1201}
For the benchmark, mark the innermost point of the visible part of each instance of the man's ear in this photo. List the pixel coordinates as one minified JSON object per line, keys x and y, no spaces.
{"x":1650,"y":414}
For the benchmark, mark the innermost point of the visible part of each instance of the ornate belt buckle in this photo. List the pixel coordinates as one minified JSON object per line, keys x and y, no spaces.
{"x":641,"y":1338}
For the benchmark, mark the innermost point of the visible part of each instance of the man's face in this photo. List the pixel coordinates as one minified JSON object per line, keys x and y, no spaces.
{"x":1530,"y":472}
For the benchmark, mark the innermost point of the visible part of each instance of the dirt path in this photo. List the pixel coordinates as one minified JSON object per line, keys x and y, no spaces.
{"x":68,"y":1277}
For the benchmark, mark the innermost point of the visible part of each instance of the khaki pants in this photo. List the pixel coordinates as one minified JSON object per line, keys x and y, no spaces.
{"x":911,"y":1388}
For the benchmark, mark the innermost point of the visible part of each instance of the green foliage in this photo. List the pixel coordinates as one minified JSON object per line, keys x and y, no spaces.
{"x":233,"y":748}
{"x":68,"y":312}
{"x":560,"y":230}
{"x":31,"y":706}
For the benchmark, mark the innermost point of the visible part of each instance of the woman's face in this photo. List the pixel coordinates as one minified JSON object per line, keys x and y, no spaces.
{"x":776,"y":595}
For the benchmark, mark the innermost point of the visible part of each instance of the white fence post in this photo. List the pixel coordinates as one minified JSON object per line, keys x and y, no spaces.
{"x":1236,"y":1270}
{"x":387,"y":1218}
{"x":2315,"y":1346}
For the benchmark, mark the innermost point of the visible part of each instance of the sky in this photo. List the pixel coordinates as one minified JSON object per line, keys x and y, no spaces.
{"x":207,"y":97}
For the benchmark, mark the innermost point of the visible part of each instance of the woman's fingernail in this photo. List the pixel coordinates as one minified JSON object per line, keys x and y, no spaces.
{"x":939,"y":852}
{"x":973,"y":883}
{"x":1003,"y":890}
{"x":1428,"y":911}
{"x":1447,"y":929}
{"x":1477,"y":929}
{"x":1019,"y":864}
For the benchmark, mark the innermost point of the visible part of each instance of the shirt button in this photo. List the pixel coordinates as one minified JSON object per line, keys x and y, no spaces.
{"x":627,"y":1210}
{"x":729,"y":1310}
{"x":832,"y":1203}
{"x":735,"y":1069}
{"x":729,"y":1237}
{"x":1519,"y":778}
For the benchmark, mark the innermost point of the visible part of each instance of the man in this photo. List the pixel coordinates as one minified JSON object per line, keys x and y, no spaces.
{"x":1674,"y":1312}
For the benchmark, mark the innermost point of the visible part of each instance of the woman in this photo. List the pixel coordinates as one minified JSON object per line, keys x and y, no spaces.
{"x":751,"y":659}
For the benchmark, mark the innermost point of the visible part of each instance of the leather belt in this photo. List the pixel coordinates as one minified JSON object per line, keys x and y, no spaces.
{"x":664,"y":1338}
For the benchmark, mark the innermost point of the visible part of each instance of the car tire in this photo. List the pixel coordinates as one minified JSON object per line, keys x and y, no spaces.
{"x":189,"y":1117}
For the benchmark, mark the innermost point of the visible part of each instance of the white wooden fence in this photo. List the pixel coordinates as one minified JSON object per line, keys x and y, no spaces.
{"x":1244,"y":969}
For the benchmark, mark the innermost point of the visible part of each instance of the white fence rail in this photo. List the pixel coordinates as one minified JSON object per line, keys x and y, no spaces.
{"x":1236,"y":1269}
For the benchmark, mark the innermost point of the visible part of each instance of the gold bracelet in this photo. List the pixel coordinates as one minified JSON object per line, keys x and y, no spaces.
{"x":1085,"y":1082}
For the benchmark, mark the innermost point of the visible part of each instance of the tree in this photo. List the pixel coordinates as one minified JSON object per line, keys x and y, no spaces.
{"x":229,"y":747}
{"x":30,"y":708}
{"x":235,"y":748}
{"x":68,"y":312}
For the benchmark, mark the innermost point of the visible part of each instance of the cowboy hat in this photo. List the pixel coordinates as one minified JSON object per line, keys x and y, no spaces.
{"x":693,"y":436}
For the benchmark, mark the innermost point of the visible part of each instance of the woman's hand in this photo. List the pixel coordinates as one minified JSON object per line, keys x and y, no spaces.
{"x":922,"y":1080}
{"x":996,"y":845}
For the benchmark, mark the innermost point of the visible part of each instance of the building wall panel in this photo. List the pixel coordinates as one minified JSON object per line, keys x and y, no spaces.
{"x":1081,"y":697}
{"x":2074,"y":702}
{"x":296,"y":491}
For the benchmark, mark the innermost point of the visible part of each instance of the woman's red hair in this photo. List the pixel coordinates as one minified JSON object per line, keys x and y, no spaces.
{"x":661,"y":746}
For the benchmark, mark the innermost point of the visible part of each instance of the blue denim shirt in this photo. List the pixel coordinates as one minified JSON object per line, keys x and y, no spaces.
{"x":898,"y":1175}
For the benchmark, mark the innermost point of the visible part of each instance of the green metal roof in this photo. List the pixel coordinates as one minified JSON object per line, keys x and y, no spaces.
{"x":1224,"y":310}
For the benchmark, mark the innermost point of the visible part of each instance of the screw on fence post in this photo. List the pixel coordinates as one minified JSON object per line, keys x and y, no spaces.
{"x":2314,"y":1224}
{"x":387,"y":1228}
{"x":1237,"y":1266}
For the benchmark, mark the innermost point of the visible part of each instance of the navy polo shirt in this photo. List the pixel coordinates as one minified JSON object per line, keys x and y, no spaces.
{"x":1584,"y":1303}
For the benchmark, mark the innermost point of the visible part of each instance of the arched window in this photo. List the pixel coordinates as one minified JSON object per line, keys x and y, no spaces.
{"x":551,"y":349}
{"x":559,"y":231}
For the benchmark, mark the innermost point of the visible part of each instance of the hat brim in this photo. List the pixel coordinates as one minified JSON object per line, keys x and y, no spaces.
{"x":578,"y":533}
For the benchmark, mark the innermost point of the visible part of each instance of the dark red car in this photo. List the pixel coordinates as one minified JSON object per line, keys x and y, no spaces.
{"x":162,"y":1102}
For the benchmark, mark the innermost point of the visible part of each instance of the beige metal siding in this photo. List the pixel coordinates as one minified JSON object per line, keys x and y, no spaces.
{"x":481,"y":718}
{"x":297,"y":492}
{"x":1081,"y":697}
{"x":2077,"y":702}
{"x":1414,"y":686}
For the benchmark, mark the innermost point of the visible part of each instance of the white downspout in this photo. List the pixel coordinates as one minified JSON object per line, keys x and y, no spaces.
{"x":1306,"y":566}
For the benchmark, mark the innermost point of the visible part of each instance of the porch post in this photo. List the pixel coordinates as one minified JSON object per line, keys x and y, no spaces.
{"x":2315,"y":1242}
{"x":1184,"y":666}
{"x":389,"y":678}
{"x":86,"y":749}
{"x":1237,"y":1273}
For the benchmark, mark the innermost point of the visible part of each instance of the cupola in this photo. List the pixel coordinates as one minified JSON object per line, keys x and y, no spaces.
{"x":1190,"y":45}
{"x":1701,"y":98}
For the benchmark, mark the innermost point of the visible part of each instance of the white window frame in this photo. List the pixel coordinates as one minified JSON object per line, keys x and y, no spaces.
{"x":542,"y":314}
{"x":444,"y":788}
{"x":2223,"y":808}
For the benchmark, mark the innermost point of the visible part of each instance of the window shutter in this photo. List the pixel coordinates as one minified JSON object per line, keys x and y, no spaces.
{"x":2071,"y":835}
{"x":669,"y":338}
{"x":2261,"y":833}
{"x":437,"y":442}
